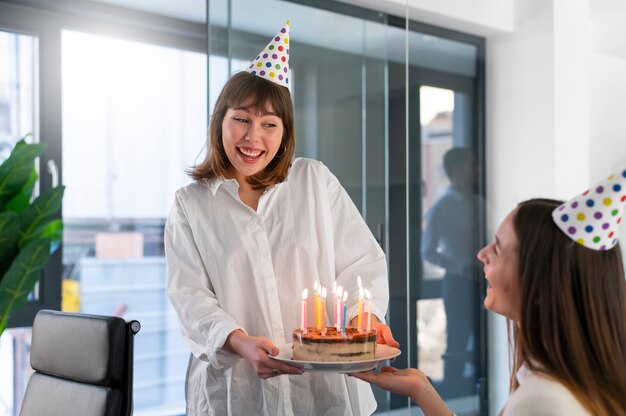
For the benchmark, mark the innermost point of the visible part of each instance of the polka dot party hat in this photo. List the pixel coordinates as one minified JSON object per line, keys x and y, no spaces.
{"x":593,"y":218}
{"x":273,"y":61}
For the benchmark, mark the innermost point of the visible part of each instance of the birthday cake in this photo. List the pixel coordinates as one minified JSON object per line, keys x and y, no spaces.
{"x":333,"y":346}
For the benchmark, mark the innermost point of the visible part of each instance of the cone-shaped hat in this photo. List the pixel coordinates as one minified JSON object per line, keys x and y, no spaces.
{"x":593,"y":218}
{"x":273,"y":61}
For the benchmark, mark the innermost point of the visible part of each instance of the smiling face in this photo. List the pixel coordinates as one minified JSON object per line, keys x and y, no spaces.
{"x":251,"y":138}
{"x":501,"y":266}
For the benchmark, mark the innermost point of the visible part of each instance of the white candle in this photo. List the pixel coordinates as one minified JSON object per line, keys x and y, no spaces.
{"x":369,"y":310}
{"x":303,"y":325}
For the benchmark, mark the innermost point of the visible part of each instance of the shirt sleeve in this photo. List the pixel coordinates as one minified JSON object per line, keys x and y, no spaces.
{"x":204,"y":325}
{"x":432,"y":236}
{"x":357,"y":253}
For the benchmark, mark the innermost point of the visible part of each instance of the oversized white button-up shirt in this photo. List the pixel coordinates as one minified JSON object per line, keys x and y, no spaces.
{"x":230,"y":267}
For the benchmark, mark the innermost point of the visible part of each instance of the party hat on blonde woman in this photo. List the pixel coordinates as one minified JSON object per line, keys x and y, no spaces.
{"x":593,"y":219}
{"x":273,"y":61}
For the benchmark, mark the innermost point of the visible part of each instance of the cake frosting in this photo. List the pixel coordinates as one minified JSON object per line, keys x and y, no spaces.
{"x":333,"y":346}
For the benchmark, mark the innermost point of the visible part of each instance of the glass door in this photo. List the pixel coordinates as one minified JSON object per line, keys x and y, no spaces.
{"x":448,"y":308}
{"x":437,"y":211}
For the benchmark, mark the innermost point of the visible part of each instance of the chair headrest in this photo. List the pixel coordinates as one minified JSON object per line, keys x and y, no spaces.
{"x":88,"y":348}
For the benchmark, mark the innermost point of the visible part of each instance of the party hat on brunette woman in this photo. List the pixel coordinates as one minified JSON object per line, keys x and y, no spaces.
{"x":273,"y":61}
{"x":593,"y":219}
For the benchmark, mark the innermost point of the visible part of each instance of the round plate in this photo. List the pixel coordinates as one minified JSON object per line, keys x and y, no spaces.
{"x":383,"y":353}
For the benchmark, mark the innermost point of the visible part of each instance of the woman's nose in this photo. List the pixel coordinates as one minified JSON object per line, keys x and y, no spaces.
{"x":253,"y":133}
{"x":482,"y":255}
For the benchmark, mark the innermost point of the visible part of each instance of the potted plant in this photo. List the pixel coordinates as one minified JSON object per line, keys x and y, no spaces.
{"x":29,"y":228}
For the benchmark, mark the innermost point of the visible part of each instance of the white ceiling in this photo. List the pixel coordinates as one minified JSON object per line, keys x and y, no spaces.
{"x":607,"y":22}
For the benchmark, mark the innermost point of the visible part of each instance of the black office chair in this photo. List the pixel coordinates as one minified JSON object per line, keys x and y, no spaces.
{"x":83,"y":365}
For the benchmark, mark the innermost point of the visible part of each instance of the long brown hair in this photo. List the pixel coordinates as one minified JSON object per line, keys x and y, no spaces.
{"x":244,"y":88}
{"x":572,"y":323}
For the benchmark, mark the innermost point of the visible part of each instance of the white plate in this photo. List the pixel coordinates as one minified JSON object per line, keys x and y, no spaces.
{"x":383,"y":353}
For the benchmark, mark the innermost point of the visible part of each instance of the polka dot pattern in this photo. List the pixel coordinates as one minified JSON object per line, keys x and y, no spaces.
{"x":593,"y":219}
{"x":275,"y":58}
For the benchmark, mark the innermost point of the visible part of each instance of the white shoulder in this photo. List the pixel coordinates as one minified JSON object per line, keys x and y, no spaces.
{"x":542,"y":396}
{"x":303,"y":167}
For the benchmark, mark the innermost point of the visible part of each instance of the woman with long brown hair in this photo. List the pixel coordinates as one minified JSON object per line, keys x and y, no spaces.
{"x":555,"y":271}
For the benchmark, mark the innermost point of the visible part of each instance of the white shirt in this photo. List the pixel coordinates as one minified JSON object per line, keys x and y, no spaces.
{"x":449,"y":239}
{"x":541,"y":396}
{"x":230,"y":267}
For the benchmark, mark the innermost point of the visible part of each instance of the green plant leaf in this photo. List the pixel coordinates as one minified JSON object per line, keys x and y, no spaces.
{"x":9,"y":235}
{"x":21,"y":277}
{"x":52,"y":230}
{"x":41,"y":211}
{"x":21,"y":200}
{"x":16,"y":170}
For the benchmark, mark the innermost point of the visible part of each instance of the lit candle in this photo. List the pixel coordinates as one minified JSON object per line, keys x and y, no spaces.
{"x":360,"y":319}
{"x":316,"y":306}
{"x":345,"y":313}
{"x":369,"y":310}
{"x":339,"y":307}
{"x":319,"y":308}
{"x":323,"y":311}
{"x":335,"y":302}
{"x":305,"y":295}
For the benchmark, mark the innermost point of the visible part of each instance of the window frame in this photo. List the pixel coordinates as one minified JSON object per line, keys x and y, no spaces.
{"x":46,"y":21}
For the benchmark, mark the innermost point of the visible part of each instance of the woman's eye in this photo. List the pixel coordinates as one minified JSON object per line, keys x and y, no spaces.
{"x":270,"y":125}
{"x":240,"y":120}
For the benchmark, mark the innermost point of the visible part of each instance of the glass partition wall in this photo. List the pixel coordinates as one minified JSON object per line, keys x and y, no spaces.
{"x":382,"y":108}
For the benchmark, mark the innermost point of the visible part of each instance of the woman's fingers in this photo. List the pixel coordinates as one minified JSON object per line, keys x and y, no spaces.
{"x":384,"y":336}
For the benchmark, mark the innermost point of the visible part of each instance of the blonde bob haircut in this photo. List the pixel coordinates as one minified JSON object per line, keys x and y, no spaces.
{"x":258,"y":93}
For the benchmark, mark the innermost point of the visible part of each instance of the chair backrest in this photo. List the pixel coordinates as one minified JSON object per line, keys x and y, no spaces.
{"x":83,"y":365}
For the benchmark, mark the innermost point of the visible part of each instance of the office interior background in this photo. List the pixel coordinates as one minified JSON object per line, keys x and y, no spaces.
{"x":121,"y":92}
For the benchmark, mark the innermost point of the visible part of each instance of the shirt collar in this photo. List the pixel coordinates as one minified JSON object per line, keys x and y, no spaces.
{"x":215,"y":183}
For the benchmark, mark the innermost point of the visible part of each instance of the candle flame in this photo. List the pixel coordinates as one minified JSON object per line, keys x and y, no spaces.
{"x":345,"y":295}
{"x":339,"y":292}
{"x":315,"y":285}
{"x":358,"y":280}
{"x":368,"y":295}
{"x":305,"y":294}
{"x":324,"y":293}
{"x":360,"y":292}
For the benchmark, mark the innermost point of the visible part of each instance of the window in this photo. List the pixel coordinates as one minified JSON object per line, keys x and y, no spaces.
{"x":134,"y":118}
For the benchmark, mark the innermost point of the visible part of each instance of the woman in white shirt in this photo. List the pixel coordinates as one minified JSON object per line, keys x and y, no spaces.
{"x":566,"y":302}
{"x":242,"y":243}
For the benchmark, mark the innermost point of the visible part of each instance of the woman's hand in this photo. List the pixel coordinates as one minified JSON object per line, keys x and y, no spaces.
{"x":384,"y":335}
{"x":408,"y":382}
{"x":256,"y":351}
{"x":383,"y":332}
